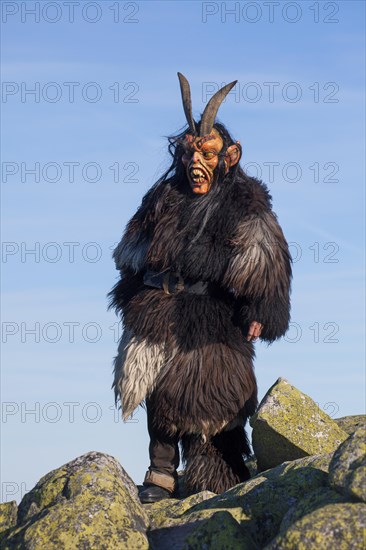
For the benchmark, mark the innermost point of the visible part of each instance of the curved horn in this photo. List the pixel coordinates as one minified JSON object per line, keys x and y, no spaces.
{"x":210,"y":112}
{"x":187,"y":102}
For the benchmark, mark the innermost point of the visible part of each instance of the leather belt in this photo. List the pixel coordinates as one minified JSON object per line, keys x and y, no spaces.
{"x":171,"y":282}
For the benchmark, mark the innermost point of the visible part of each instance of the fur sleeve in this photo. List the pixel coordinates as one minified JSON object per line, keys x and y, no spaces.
{"x":259,"y":271}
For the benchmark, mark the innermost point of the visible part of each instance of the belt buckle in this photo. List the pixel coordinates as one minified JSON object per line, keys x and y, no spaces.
{"x":178,"y":285}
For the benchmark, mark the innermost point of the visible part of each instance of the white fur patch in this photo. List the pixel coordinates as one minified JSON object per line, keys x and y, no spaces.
{"x":260,"y":257}
{"x":207,"y":429}
{"x":136,"y":368}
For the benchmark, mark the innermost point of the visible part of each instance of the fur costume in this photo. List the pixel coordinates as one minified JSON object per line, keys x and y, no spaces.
{"x":187,"y":352}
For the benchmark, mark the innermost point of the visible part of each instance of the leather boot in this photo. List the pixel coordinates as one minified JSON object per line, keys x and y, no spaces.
{"x":153,"y":493}
{"x":158,"y":486}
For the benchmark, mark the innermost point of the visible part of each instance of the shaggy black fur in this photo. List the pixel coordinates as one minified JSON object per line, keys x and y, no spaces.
{"x":217,"y":464}
{"x":231,"y":239}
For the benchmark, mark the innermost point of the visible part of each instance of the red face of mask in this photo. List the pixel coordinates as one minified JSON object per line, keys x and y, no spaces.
{"x":201,"y":157}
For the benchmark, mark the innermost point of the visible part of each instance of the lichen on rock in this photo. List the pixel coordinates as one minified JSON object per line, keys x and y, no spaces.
{"x":290,"y":425}
{"x":167,"y":511}
{"x":347,"y":470}
{"x":311,"y":501}
{"x":8,"y":516}
{"x":336,"y":526}
{"x":88,"y":503}
{"x":221,"y":532}
{"x":257,"y":506}
{"x":350,"y":424}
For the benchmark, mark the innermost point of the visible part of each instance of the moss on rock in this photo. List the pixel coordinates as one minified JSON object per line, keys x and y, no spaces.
{"x":91,"y":503}
{"x":311,"y":502}
{"x":289,"y":425}
{"x":88,"y":503}
{"x":165,"y":512}
{"x":350,"y":424}
{"x":8,"y":516}
{"x":347,"y":470}
{"x":221,"y":532}
{"x":257,"y":505}
{"x":336,"y":526}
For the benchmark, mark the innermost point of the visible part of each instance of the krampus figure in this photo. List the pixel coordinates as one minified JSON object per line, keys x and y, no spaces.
{"x":205,"y":271}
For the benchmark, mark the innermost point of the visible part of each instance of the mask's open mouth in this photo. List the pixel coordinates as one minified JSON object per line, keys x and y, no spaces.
{"x":198,"y":176}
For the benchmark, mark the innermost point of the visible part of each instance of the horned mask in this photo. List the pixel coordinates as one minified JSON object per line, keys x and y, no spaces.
{"x":201,"y":152}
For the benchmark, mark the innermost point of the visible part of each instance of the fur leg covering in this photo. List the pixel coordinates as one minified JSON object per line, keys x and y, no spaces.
{"x":217,"y":464}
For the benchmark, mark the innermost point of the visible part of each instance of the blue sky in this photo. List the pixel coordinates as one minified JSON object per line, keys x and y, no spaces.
{"x":94,"y":155}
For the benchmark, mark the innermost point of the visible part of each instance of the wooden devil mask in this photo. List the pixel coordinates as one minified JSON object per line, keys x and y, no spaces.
{"x":201,"y":152}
